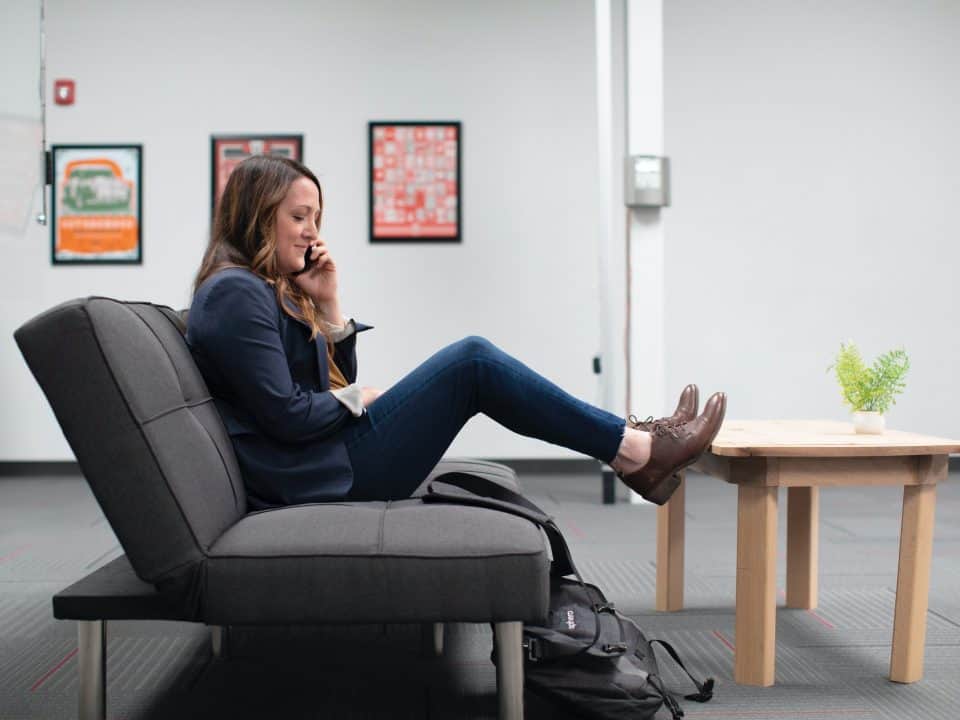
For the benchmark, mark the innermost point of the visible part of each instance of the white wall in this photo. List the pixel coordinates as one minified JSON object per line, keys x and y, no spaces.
{"x":521,"y":78}
{"x":816,"y":169}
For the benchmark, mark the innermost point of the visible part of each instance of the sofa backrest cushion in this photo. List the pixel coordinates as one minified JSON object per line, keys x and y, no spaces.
{"x":142,"y":425}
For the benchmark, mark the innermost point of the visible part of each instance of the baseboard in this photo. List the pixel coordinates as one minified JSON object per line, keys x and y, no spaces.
{"x":580,"y":466}
{"x":35,"y":468}
{"x":30,"y":468}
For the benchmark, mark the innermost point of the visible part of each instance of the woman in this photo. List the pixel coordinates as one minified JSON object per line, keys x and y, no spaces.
{"x":278,"y":355}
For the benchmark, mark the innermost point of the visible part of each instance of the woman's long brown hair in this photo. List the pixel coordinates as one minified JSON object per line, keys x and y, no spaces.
{"x":243,"y":233}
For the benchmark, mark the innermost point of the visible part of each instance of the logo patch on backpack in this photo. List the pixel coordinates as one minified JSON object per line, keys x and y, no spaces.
{"x":565,"y":618}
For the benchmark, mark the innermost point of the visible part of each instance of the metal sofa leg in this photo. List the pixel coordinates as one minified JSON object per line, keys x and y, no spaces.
{"x":431,"y":639}
{"x":509,"y":639}
{"x":220,"y":640}
{"x":438,"y":639}
{"x":92,"y":661}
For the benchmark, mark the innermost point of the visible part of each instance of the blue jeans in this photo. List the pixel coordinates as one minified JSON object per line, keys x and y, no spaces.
{"x":406,"y":431}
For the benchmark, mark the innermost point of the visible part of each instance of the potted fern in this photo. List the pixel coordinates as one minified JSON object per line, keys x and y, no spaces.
{"x":870,"y":391}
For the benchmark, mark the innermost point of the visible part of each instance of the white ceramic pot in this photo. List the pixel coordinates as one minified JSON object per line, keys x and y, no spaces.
{"x":868,"y":423}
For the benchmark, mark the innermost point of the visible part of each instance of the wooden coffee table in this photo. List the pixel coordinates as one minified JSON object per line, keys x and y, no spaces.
{"x":762,"y":456}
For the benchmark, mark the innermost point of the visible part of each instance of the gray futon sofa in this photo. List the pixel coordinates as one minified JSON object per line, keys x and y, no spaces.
{"x":151,"y":444}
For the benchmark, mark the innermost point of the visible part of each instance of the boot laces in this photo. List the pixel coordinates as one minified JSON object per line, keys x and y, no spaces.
{"x":662,"y":428}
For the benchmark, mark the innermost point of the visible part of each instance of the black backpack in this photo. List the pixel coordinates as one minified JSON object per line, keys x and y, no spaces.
{"x":588,"y":657}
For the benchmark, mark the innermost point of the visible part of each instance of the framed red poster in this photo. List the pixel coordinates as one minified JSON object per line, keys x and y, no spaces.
{"x":227,"y":151}
{"x":415,"y":190}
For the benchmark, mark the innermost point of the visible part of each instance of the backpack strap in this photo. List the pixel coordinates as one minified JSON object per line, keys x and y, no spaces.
{"x":468,"y":489}
{"x":676,"y":713}
{"x":485,"y":487}
{"x":705,"y":688}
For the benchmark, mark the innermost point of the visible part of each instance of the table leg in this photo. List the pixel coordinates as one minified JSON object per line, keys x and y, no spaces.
{"x":803,"y":518}
{"x":913,"y":583}
{"x":756,"y":585}
{"x":670,"y":540}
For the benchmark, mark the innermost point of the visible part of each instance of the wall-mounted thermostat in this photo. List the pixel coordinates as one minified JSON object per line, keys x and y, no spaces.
{"x":647,"y":181}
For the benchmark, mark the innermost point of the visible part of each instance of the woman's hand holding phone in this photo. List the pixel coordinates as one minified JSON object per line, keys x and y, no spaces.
{"x":308,"y":260}
{"x":319,"y":275}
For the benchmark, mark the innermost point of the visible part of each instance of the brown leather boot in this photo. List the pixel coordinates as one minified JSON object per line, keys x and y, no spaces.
{"x":685,"y":412}
{"x":673,"y":447}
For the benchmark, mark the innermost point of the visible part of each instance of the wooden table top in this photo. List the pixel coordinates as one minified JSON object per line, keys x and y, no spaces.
{"x":820,"y":438}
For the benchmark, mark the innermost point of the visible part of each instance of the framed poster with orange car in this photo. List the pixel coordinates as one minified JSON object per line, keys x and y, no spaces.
{"x":228,"y":151}
{"x":97,"y":216}
{"x":415,"y":191}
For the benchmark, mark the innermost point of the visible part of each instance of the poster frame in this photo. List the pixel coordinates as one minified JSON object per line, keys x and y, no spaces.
{"x":57,"y":190}
{"x":374,"y":238}
{"x":245,"y":137}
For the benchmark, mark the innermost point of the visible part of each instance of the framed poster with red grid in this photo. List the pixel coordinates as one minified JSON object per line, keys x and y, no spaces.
{"x":228,"y":151}
{"x":415,"y":190}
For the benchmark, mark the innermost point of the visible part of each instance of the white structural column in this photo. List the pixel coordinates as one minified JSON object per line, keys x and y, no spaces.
{"x":644,"y":91}
{"x":611,"y":227}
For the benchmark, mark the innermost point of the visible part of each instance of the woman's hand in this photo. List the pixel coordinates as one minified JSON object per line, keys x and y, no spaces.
{"x":369,"y":394}
{"x":320,"y":281}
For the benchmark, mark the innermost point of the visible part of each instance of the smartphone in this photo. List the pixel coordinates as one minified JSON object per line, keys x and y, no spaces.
{"x":308,"y":262}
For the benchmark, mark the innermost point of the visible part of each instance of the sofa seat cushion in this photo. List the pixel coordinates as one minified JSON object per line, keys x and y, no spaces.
{"x":402,"y":561}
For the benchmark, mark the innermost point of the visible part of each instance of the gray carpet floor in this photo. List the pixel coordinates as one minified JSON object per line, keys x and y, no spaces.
{"x":832,"y":662}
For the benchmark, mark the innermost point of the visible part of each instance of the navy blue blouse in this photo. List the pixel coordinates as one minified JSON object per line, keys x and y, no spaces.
{"x":271,"y":384}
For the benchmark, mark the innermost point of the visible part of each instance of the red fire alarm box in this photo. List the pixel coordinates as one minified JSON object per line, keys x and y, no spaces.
{"x":63,"y":92}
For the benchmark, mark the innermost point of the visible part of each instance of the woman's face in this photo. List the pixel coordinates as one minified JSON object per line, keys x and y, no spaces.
{"x":297,"y":224}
